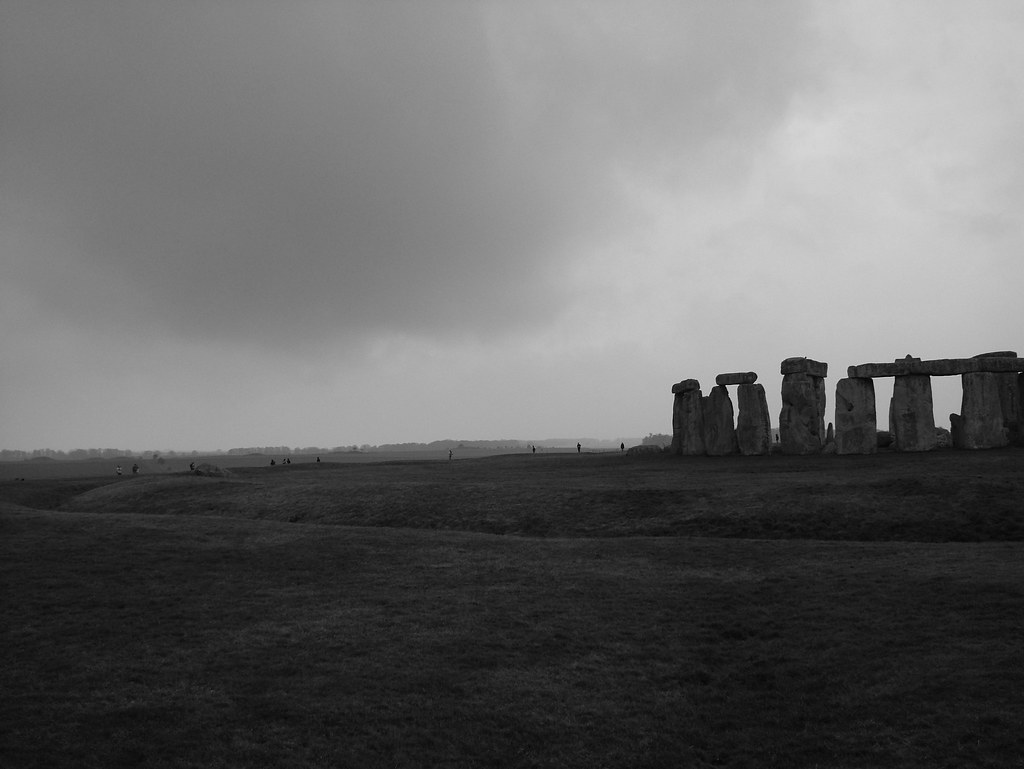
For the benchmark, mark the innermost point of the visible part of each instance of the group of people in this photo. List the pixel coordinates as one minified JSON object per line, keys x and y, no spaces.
{"x":135,"y":469}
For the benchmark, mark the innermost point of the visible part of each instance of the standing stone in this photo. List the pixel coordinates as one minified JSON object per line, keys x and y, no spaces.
{"x":856,"y":421}
{"x":981,"y":413}
{"x":753,"y":425}
{"x":802,"y":421}
{"x":719,"y":427}
{"x":911,"y":420}
{"x":688,"y":423}
{"x":1020,"y":409}
{"x":1012,"y":407}
{"x":1010,"y":403}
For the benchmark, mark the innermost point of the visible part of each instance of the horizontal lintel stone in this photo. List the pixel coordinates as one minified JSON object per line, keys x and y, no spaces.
{"x":1000,"y":354}
{"x":738,"y":378}
{"x":804,"y":366}
{"x":687,"y":385}
{"x":939,"y":367}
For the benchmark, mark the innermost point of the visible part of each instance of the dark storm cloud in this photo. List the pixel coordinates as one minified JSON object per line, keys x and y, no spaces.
{"x":250,"y":170}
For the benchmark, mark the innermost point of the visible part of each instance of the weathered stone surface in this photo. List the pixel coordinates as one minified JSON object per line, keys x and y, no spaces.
{"x":1020,"y":412}
{"x":956,"y":429}
{"x":1000,"y":354}
{"x":688,"y":423}
{"x":739,"y":378}
{"x":753,"y":424}
{"x":981,"y":414}
{"x":911,"y":420}
{"x":939,"y":367}
{"x":856,"y":420}
{"x":719,"y":425}
{"x":802,"y":421}
{"x":1009,"y":386}
{"x":804,"y":366}
{"x":687,"y":385}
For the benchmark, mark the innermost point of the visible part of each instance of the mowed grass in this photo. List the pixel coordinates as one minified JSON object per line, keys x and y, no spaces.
{"x":504,"y":612}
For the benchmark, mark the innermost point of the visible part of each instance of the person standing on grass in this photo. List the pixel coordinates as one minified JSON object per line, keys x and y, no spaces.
{"x":135,"y":469}
{"x":449,"y":455}
{"x":578,"y":448}
{"x":118,"y":470}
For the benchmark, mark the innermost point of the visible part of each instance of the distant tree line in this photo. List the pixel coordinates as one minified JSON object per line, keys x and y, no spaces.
{"x":7,"y":455}
{"x":657,"y":439}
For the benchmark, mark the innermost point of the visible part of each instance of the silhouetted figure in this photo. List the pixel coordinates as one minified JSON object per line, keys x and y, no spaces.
{"x":622,"y":447}
{"x":272,"y":463}
{"x":578,"y":448}
{"x":118,"y":470}
{"x":449,"y":455}
{"x":135,"y":469}
{"x":534,"y":449}
{"x":192,"y":466}
{"x":318,"y":460}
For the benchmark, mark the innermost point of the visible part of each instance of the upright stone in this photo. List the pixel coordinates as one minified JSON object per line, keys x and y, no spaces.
{"x":719,"y":427}
{"x":911,"y":420}
{"x":981,"y":413}
{"x":856,"y":421}
{"x":1012,"y":407}
{"x":678,"y":410}
{"x":688,"y":421}
{"x":1010,"y":403}
{"x":802,"y":421}
{"x":753,"y":425}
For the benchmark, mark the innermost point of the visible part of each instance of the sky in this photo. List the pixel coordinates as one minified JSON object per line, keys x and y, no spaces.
{"x":229,"y":223}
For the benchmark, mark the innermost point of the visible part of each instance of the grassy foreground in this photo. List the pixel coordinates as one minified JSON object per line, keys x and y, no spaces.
{"x":385,"y":615}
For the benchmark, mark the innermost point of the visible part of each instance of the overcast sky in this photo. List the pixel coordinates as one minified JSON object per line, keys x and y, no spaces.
{"x":237,"y":223}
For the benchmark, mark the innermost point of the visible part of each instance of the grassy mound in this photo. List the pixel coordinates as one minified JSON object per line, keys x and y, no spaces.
{"x":940,"y":497}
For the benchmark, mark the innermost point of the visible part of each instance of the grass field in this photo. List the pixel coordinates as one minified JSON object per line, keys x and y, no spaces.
{"x":518,"y":611}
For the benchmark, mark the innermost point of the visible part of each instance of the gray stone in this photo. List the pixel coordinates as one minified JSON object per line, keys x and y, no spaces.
{"x":753,"y":424}
{"x":688,"y":423}
{"x":956,"y":429}
{"x":911,"y":420}
{"x":719,"y":427}
{"x":940,"y":367}
{"x":802,"y":421}
{"x":856,"y":420}
{"x":981,"y":414}
{"x":687,"y":385}
{"x":1000,"y":354}
{"x":739,"y":378}
{"x":804,"y":366}
{"x":1009,"y":399}
{"x":1020,"y":410}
